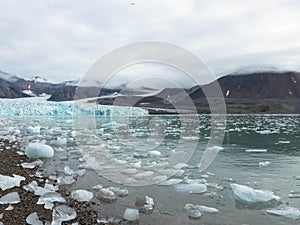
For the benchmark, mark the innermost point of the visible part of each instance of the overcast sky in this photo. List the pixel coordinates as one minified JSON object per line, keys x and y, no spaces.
{"x":61,"y":39}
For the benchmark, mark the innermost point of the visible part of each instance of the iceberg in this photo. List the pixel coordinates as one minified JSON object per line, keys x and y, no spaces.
{"x":39,"y":150}
{"x":247,"y":197}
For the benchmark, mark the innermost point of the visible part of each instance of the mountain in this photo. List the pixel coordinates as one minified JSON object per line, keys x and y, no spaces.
{"x":255,"y":92}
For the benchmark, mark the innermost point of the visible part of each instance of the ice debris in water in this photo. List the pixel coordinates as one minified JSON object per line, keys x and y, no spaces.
{"x":33,"y":130}
{"x":248,"y":197}
{"x":62,"y":213}
{"x":39,"y":150}
{"x":201,"y":208}
{"x":106,"y":195}
{"x":61,"y":141}
{"x":32,"y":165}
{"x":11,"y":198}
{"x":7,"y":182}
{"x":33,"y":219}
{"x":33,"y":187}
{"x":256,"y":150}
{"x":285,"y":211}
{"x":192,"y":188}
{"x":131,"y":214}
{"x":119,"y":191}
{"x":264,"y":164}
{"x":82,"y":195}
{"x":48,"y":199}
{"x":65,"y":180}
{"x":170,"y":182}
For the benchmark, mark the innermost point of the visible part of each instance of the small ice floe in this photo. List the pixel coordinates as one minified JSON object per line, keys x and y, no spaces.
{"x":143,"y":175}
{"x":256,"y":150}
{"x":201,"y":208}
{"x":195,"y":214}
{"x":11,"y":198}
{"x":214,"y":185}
{"x":131,"y":214}
{"x":85,"y":165}
{"x":285,"y":211}
{"x":264,"y":164}
{"x":61,"y":141}
{"x":192,"y":188}
{"x":7,"y":182}
{"x":32,"y":165}
{"x":66,"y":180}
{"x":9,"y":208}
{"x":155,"y":153}
{"x":68,"y":170}
{"x":39,"y":150}
{"x":297,"y":177}
{"x":121,"y":192}
{"x":62,"y":213}
{"x":170,"y":182}
{"x":106,"y":195}
{"x":37,"y":190}
{"x":247,"y":197}
{"x":97,"y":187}
{"x":48,"y":198}
{"x":33,"y":130}
{"x":145,"y":205}
{"x":294,"y":194}
{"x":283,"y":142}
{"x":82,"y":195}
{"x":33,"y":219}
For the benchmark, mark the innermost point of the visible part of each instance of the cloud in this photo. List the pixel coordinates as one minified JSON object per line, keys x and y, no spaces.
{"x":61,"y":39}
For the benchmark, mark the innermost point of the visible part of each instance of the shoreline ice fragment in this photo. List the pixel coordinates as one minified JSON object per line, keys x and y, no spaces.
{"x":39,"y":150}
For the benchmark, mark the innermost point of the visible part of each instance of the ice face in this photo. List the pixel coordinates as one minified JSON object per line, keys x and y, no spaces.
{"x":39,"y":150}
{"x":7,"y":182}
{"x":40,"y":107}
{"x":248,"y":197}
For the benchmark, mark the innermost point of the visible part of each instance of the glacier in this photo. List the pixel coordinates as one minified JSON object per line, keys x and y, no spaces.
{"x":39,"y":106}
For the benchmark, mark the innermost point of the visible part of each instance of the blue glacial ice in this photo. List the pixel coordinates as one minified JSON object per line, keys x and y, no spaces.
{"x":39,"y":106}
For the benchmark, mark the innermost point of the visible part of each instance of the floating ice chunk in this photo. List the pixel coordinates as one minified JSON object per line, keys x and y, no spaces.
{"x":201,"y":208}
{"x":285,"y":211}
{"x":256,"y":150}
{"x":192,"y":188}
{"x":264,"y":164}
{"x":63,"y":213}
{"x":249,"y":197}
{"x":80,"y":172}
{"x":7,"y":182}
{"x":33,"y":130}
{"x":119,"y":191}
{"x":68,"y":170}
{"x":50,"y":197}
{"x":39,"y":150}
{"x":143,"y":175}
{"x":214,"y":185}
{"x":1,"y":216}
{"x":106,"y":195}
{"x":131,"y":214}
{"x":11,"y":198}
{"x":65,"y":180}
{"x":98,"y":187}
{"x":195,"y":214}
{"x":180,"y":166}
{"x":33,"y":219}
{"x":170,"y":182}
{"x":149,"y":203}
{"x":61,"y":141}
{"x":9,"y":208}
{"x":32,"y":164}
{"x":85,"y":165}
{"x":130,"y":171}
{"x":155,"y":153}
{"x":82,"y":195}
